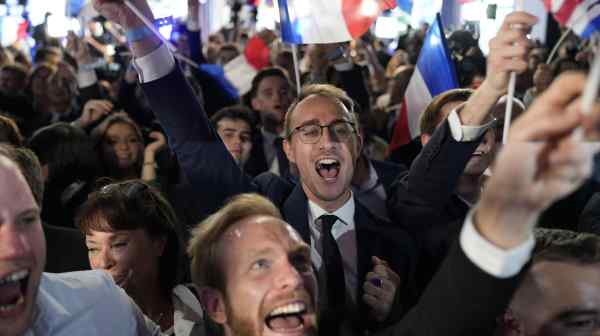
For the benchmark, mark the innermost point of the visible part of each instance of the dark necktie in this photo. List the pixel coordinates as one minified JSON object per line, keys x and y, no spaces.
{"x":334,"y":270}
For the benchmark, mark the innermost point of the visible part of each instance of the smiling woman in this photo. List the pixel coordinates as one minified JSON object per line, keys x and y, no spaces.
{"x":131,"y":233}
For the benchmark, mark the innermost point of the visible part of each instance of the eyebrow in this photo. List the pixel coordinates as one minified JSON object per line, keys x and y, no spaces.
{"x":114,"y":236}
{"x":316,"y":122}
{"x":29,"y":212}
{"x":232,"y":130}
{"x":576,"y":312}
{"x":252,"y":253}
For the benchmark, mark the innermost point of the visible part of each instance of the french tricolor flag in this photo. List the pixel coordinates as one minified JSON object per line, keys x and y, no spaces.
{"x":434,"y":74}
{"x":328,"y":21}
{"x":582,"y":16}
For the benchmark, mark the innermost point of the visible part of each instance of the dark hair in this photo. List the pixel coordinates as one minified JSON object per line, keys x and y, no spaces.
{"x":67,"y":150}
{"x":236,"y":112}
{"x":72,"y":166}
{"x":16,"y":68}
{"x":29,"y":165}
{"x":99,"y":136}
{"x":133,"y":205}
{"x":431,"y":117}
{"x":258,"y":78}
{"x":566,"y":246}
{"x":9,"y":131}
{"x":41,"y":55}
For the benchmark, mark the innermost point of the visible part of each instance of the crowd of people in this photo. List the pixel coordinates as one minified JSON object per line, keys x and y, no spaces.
{"x":143,"y":195}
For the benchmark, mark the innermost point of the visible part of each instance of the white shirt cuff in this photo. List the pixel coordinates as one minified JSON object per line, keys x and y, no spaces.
{"x":490,"y":258}
{"x":155,"y":65}
{"x":462,"y":133}
{"x":86,"y":78}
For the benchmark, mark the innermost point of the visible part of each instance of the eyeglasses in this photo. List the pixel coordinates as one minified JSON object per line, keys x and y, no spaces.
{"x":339,"y":131}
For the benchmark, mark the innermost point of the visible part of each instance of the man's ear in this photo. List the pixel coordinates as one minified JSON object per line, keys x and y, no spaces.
{"x":287,"y":148}
{"x":214,"y":304}
{"x":425,"y":139}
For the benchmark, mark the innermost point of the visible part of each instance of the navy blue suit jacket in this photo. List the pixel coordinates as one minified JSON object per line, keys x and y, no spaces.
{"x":211,"y":170}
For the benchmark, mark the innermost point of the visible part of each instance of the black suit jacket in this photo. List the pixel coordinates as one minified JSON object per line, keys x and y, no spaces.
{"x":65,"y":250}
{"x":210,"y":168}
{"x":425,"y":200}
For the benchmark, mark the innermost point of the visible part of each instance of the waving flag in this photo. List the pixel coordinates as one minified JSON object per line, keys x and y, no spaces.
{"x":434,"y":74}
{"x":582,"y":16}
{"x":328,"y":21}
{"x":241,"y":70}
{"x":405,"y":5}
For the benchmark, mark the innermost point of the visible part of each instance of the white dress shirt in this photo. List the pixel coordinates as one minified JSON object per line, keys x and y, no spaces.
{"x":86,"y":303}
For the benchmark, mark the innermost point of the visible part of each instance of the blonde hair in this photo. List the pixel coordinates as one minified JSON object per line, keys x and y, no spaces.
{"x":323,"y":90}
{"x":203,"y":248}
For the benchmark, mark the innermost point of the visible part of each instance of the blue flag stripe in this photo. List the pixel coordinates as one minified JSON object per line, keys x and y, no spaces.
{"x":592,"y":27}
{"x":288,"y":33}
{"x":434,"y":63}
{"x":405,"y":5}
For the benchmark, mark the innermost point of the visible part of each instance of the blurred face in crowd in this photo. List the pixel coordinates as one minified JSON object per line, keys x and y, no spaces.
{"x":22,"y":251}
{"x":12,"y":83}
{"x":122,"y":142}
{"x":483,"y":156}
{"x":130,"y":256}
{"x":225,"y":55}
{"x":237,"y":137}
{"x":273,"y":97}
{"x":39,"y":82}
{"x":326,"y":167}
{"x":559,"y":298}
{"x":270,"y":284}
{"x":542,"y":78}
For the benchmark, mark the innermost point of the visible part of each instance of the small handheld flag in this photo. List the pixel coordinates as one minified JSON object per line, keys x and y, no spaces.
{"x":582,"y":16}
{"x":434,"y":74}
{"x":330,"y":21}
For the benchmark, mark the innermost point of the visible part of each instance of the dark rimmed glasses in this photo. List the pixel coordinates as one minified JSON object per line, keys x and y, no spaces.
{"x":339,"y":131}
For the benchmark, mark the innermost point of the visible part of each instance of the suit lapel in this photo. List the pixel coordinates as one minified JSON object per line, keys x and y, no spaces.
{"x":295,"y":212}
{"x":365,"y":242}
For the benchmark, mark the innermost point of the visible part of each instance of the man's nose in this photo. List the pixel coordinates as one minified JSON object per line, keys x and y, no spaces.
{"x":104,"y":260}
{"x":13,"y":243}
{"x":288,"y":276}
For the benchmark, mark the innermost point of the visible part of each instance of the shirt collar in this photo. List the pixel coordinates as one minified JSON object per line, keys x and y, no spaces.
{"x":345,"y":213}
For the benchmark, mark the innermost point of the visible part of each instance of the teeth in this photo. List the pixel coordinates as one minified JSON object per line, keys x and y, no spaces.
{"x":9,"y":307}
{"x":327,"y":161}
{"x":17,"y":276}
{"x":293,"y":308}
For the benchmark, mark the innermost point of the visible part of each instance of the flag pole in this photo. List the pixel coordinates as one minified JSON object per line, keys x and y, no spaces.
{"x":591,"y":88}
{"x":296,"y":67}
{"x":149,"y":25}
{"x":557,"y":45}
{"x":511,"y":90}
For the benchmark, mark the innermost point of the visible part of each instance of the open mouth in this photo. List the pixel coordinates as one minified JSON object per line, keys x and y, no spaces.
{"x":328,"y":168}
{"x":288,"y":318}
{"x":13,"y":289}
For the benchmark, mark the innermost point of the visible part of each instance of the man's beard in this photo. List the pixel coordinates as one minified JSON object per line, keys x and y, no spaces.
{"x":240,"y":326}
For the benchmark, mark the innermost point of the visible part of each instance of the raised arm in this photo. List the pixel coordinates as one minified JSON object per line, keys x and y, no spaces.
{"x":434,"y":175}
{"x":541,"y":164}
{"x":201,"y":153}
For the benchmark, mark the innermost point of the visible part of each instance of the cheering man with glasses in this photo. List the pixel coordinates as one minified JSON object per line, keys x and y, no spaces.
{"x":365,"y":264}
